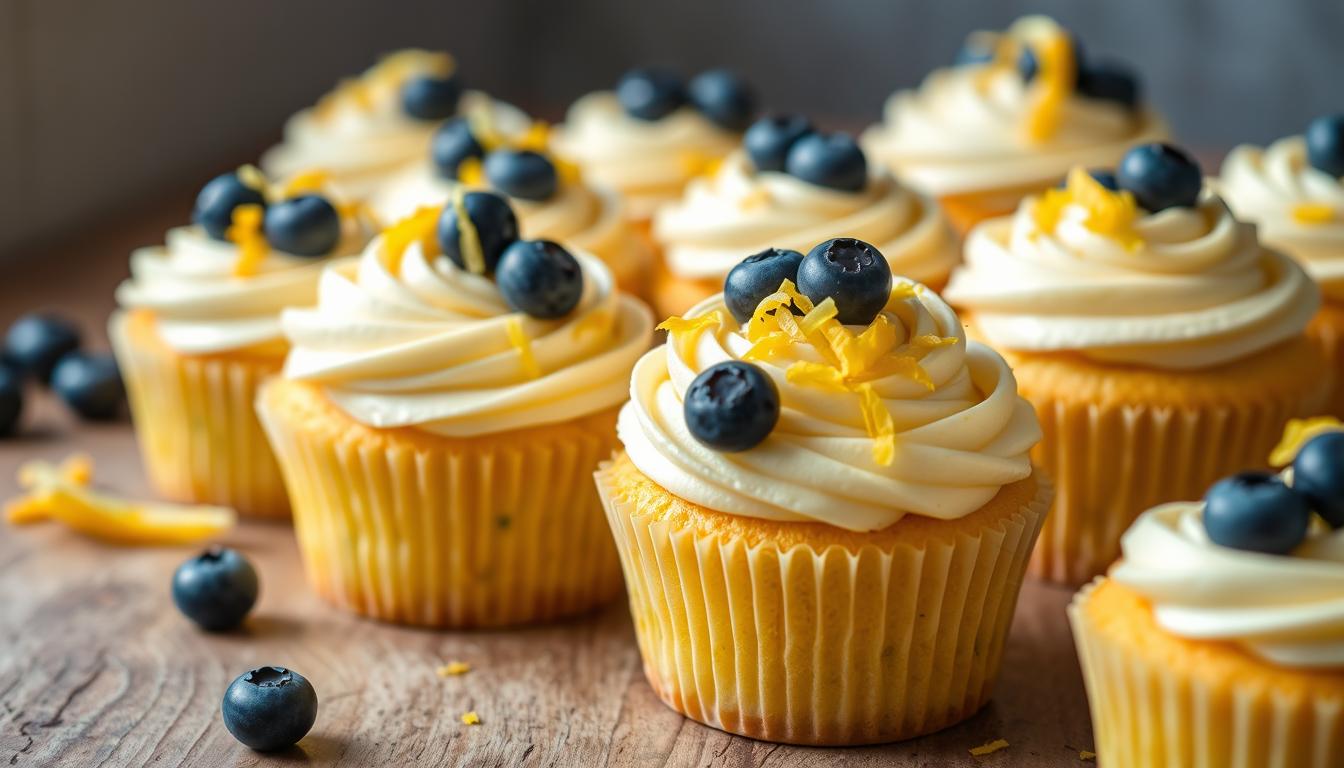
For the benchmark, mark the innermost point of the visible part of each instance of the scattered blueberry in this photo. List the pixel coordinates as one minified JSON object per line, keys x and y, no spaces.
{"x":756,"y":277}
{"x":11,"y":400}
{"x":218,"y":198}
{"x":1110,"y":81}
{"x":650,"y":94}
{"x":539,"y":278}
{"x":828,"y":160}
{"x":89,"y":384}
{"x":1160,"y":176}
{"x":1257,"y":512}
{"x":521,"y":173}
{"x":724,"y":98}
{"x":1325,"y":144}
{"x":454,"y":142}
{"x":769,"y":140}
{"x":304,"y":226}
{"x":36,"y":341}
{"x":431,"y":98}
{"x":1318,"y":474}
{"x":216,"y":589}
{"x":492,"y":218}
{"x":853,"y":273}
{"x":731,"y":406}
{"x":1102,"y":176}
{"x":269,"y":708}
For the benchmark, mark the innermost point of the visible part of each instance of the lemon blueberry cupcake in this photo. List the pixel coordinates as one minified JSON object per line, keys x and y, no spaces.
{"x":1016,"y":112}
{"x":378,"y":123}
{"x":1218,"y":639}
{"x":551,"y":199}
{"x":825,"y":505}
{"x":791,"y":186}
{"x":440,"y":417}
{"x":1292,"y":190}
{"x":199,"y":329}
{"x":1142,"y":319}
{"x":654,"y":133}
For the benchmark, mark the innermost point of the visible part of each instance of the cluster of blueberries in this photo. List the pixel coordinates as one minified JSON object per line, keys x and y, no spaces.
{"x":519,"y":173}
{"x":46,"y":349}
{"x":718,"y":94}
{"x":1104,"y":80}
{"x":734,"y":405}
{"x":790,"y":144}
{"x":304,"y":225}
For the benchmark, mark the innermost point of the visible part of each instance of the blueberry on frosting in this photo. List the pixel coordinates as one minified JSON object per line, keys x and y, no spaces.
{"x":540,"y":279}
{"x":731,"y":406}
{"x":1256,"y":512}
{"x":650,"y":94}
{"x":1325,"y":144}
{"x":769,"y":140}
{"x":307,"y":225}
{"x":852,"y":273}
{"x":1318,"y":474}
{"x":521,"y":173}
{"x":1160,"y":176}
{"x":452,"y":144}
{"x":756,"y":277}
{"x":431,"y":98}
{"x":723,"y":97}
{"x":474,"y":230}
{"x":1109,"y":81}
{"x":831,"y":160}
{"x":218,"y":198}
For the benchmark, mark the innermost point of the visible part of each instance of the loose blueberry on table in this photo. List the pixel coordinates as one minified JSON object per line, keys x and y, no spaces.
{"x":1325,"y":144}
{"x":650,"y":94}
{"x":540,"y":279}
{"x":1318,"y":474}
{"x":11,"y":399}
{"x":218,"y":198}
{"x":769,"y":140}
{"x":216,"y":589}
{"x":1160,"y":176}
{"x":831,"y":160}
{"x":1256,"y":512}
{"x":521,"y":173}
{"x":307,"y":225}
{"x":90,"y":385}
{"x":756,"y":277}
{"x":724,"y":98}
{"x":431,"y":98}
{"x":494,"y":223}
{"x":452,"y":144}
{"x":269,"y":708}
{"x":852,"y":273}
{"x":731,"y":406}
{"x":35,"y":342}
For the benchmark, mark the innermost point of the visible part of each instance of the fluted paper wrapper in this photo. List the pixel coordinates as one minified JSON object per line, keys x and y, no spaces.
{"x":440,"y":532}
{"x":830,"y":647}
{"x":196,"y":423}
{"x":1327,"y":330}
{"x":967,"y":209}
{"x":1159,"y":713}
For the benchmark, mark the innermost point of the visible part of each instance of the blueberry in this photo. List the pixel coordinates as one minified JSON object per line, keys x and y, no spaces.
{"x":11,"y":400}
{"x":304,"y":226}
{"x":90,"y":385}
{"x":731,"y":406}
{"x":756,"y":277}
{"x":650,"y":94}
{"x":453,"y":143}
{"x":724,"y":98}
{"x":1318,"y":474}
{"x":492,"y":218}
{"x":853,"y":273}
{"x":269,"y":708}
{"x":1325,"y":144}
{"x":539,"y":278}
{"x":216,"y":589}
{"x":1257,"y":512}
{"x":1160,"y":176}
{"x":1110,"y":81}
{"x":1102,"y":176}
{"x":36,"y":341}
{"x":521,"y":173}
{"x":828,"y":160}
{"x":218,"y":198}
{"x":769,"y":140}
{"x":430,"y":98}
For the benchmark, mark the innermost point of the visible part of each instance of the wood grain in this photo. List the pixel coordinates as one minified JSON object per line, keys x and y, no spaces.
{"x":98,"y":669}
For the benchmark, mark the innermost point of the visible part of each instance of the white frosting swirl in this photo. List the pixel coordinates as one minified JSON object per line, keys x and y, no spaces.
{"x":647,"y":161}
{"x":956,"y":444}
{"x":1198,"y":290}
{"x":1271,"y":187}
{"x":1288,"y":610}
{"x":430,"y":347}
{"x":737,"y":212}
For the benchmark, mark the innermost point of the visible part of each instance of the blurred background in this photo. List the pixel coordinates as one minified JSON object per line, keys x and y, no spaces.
{"x":109,"y":107}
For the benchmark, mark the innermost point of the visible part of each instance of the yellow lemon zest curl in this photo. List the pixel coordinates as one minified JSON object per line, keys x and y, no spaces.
{"x":416,"y":228}
{"x":245,"y":232}
{"x":1110,"y":214}
{"x":1313,"y":213}
{"x":1297,"y":433}
{"x":518,"y":338}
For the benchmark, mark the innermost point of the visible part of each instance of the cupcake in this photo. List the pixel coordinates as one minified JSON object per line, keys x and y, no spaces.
{"x":1010,"y":118}
{"x":550,"y":198}
{"x":825,"y":505}
{"x":199,"y":329}
{"x":440,"y":417}
{"x":653,"y":134}
{"x":790,"y":187}
{"x":1293,"y":192}
{"x":377,"y":124}
{"x":1219,"y":638}
{"x":1162,"y":344}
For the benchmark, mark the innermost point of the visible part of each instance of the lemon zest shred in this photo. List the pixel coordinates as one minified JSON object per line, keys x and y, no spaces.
{"x":1054,"y":84}
{"x":536,"y":138}
{"x":304,"y":182}
{"x":685,"y":331}
{"x":877,"y":340}
{"x":471,"y":718}
{"x":816,"y":318}
{"x":1296,"y":433}
{"x":799,"y":299}
{"x":453,"y":669}
{"x":592,"y":322}
{"x":518,"y":338}
{"x":245,"y":232}
{"x":1087,"y":755}
{"x":768,"y":346}
{"x":817,"y":375}
{"x":878,"y":423}
{"x":1110,"y":214}
{"x":990,"y":748}
{"x":700,"y":164}
{"x":1313,"y":213}
{"x":469,"y":240}
{"x":252,"y":177}
{"x":416,"y":228}
{"x":471,"y":172}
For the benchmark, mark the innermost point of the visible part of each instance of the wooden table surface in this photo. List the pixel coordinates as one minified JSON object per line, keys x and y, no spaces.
{"x":98,"y":669}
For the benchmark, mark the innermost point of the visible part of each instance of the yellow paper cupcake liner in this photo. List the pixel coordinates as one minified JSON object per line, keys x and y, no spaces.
{"x":1327,"y":330}
{"x":966,"y":210}
{"x":1159,"y":701}
{"x":196,"y":423}
{"x":407,"y":527}
{"x":808,"y":634}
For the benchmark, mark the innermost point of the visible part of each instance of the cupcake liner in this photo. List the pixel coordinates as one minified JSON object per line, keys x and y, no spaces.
{"x":967,"y":209}
{"x":195,"y":422}
{"x":1327,"y":330}
{"x":842,"y":645}
{"x":411,"y":528}
{"x":1150,"y":710}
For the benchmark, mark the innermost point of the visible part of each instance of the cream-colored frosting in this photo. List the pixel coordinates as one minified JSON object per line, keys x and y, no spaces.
{"x":430,"y":347}
{"x":647,"y":161}
{"x":1199,"y":289}
{"x":736,"y":212}
{"x":1289,"y":610}
{"x":1271,"y":187}
{"x":956,"y":444}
